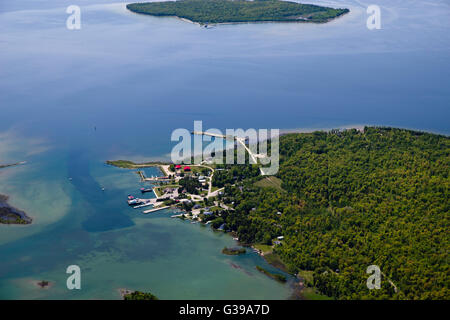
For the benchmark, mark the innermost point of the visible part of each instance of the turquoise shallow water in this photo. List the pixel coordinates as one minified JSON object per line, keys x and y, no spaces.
{"x":117,"y":88}
{"x":119,"y":247}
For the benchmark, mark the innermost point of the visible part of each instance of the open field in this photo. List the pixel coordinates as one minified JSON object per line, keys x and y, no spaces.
{"x":270,"y":182}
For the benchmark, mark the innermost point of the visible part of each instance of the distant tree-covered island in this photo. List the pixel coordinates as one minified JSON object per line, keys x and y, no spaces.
{"x":238,"y":11}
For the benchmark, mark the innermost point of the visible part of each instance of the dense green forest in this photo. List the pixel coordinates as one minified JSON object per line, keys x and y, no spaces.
{"x":350,"y":199}
{"x":221,"y":11}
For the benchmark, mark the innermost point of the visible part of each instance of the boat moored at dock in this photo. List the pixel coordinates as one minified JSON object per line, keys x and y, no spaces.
{"x":133,"y":202}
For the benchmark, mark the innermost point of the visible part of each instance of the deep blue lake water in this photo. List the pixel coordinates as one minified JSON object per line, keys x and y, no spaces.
{"x":117,"y":88}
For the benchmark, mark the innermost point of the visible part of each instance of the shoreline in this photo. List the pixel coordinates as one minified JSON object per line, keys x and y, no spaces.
{"x":127,"y":164}
{"x":7,"y":212}
{"x":295,"y":285}
{"x":298,"y":286}
{"x":123,"y":292}
{"x":201,"y":24}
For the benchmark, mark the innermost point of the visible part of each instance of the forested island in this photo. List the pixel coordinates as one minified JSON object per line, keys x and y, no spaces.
{"x":238,"y":11}
{"x":11,"y":215}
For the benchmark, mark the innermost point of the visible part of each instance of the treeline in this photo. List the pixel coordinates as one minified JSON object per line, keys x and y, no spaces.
{"x":191,"y":185}
{"x":230,"y":174}
{"x":352,"y":200}
{"x":221,"y":11}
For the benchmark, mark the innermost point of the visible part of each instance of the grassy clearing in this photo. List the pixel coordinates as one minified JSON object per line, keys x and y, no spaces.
{"x":266,"y":249}
{"x":311,"y":294}
{"x":269,"y":182}
{"x":159,"y":191}
{"x":213,"y":188}
{"x":307,"y":276}
{"x":200,"y":170}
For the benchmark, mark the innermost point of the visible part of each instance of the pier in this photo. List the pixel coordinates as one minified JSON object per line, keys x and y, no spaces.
{"x":155,"y":209}
{"x":253,"y":156}
{"x":143,"y":205}
{"x":141,"y":174}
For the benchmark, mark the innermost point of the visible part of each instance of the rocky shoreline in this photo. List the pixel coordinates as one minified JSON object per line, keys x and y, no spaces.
{"x":11,"y":215}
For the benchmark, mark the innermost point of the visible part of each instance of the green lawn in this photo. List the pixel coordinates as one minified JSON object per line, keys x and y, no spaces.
{"x":311,"y":294}
{"x":264,"y":248}
{"x":270,"y":182}
{"x":159,"y":190}
{"x":306,"y":275}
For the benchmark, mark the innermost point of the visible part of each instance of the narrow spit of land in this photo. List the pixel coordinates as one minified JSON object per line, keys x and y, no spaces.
{"x":12,"y":164}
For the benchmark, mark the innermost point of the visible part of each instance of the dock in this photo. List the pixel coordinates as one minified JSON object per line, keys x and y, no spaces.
{"x":160,"y":179}
{"x":142,"y":175}
{"x":143,"y":205}
{"x":155,"y":209}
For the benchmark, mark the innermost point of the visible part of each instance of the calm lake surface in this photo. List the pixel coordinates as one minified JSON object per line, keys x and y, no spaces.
{"x":117,"y":88}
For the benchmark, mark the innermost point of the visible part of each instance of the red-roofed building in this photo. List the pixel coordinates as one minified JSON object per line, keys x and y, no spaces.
{"x":187,"y":168}
{"x":177,"y":166}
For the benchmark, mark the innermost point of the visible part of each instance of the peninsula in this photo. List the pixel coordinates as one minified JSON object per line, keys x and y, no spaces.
{"x":341,"y":201}
{"x":12,"y":164}
{"x":238,"y":11}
